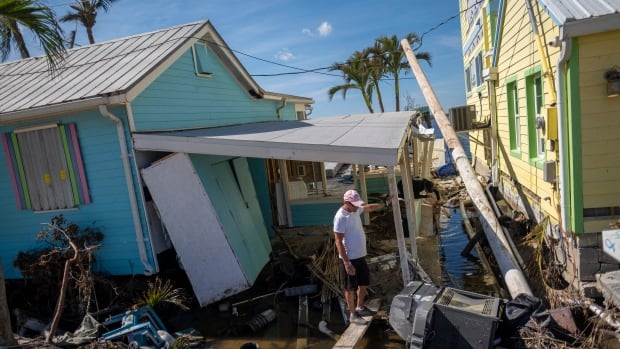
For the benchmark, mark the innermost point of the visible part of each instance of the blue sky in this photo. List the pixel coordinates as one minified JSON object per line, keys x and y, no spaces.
{"x":306,"y":34}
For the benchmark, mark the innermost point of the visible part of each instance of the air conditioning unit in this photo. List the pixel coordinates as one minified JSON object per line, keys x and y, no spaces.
{"x":462,"y":117}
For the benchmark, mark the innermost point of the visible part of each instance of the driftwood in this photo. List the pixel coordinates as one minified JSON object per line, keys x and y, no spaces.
{"x":65,"y":282}
{"x":63,"y":287}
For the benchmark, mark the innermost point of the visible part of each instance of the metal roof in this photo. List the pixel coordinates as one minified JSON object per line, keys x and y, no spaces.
{"x":96,"y":70}
{"x":582,"y":17}
{"x":360,"y":139}
{"x":109,"y":72}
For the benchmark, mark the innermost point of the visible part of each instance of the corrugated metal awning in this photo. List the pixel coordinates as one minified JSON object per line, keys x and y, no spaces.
{"x":374,"y":139}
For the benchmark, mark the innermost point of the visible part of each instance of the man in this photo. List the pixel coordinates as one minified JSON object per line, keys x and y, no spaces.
{"x":351,"y":245}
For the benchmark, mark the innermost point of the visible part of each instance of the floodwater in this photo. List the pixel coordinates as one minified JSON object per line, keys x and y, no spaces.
{"x":465,"y":273}
{"x":282,"y":333}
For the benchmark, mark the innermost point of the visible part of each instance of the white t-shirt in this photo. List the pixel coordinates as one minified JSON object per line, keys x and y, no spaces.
{"x":350,"y":224}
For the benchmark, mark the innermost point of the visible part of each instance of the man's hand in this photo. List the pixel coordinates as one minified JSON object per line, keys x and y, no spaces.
{"x":349,"y":268}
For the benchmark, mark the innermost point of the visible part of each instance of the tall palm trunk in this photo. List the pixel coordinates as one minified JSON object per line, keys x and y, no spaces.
{"x":397,"y":92}
{"x":6,"y":333}
{"x":379,"y":97}
{"x":91,"y":37}
{"x":19,"y":39}
{"x":368,"y":102}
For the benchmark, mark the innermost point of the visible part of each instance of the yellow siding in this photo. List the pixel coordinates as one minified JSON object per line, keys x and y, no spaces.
{"x":517,"y":54}
{"x":600,"y":121}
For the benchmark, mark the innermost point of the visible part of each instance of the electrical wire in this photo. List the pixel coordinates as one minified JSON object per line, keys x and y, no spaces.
{"x":318,"y":70}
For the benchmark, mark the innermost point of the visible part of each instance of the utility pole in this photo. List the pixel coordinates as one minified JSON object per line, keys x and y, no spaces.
{"x":512,"y":274}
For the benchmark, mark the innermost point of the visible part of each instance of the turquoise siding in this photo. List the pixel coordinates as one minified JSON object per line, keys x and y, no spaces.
{"x":232,"y":193}
{"x":110,"y":210}
{"x":259,"y":177}
{"x":179,"y":99}
{"x":314,"y":213}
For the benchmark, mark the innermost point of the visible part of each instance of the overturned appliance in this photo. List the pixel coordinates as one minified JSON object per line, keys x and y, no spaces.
{"x":427,"y":316}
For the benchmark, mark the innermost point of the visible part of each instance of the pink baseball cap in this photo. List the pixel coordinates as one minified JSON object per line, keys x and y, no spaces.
{"x":353,"y":197}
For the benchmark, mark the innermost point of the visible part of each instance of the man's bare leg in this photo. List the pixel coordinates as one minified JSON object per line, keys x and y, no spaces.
{"x":361,"y":296}
{"x":349,"y":296}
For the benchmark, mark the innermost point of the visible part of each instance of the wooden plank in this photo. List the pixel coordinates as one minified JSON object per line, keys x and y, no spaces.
{"x":355,"y":332}
{"x":302,"y":323}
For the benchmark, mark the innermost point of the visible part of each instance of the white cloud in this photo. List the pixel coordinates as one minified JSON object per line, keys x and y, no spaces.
{"x":324,"y":29}
{"x":285,"y":55}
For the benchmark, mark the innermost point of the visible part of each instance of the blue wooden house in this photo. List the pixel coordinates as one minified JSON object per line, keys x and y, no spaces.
{"x":163,"y":140}
{"x":68,"y":148}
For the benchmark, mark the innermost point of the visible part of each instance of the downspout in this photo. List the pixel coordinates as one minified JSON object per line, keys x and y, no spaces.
{"x":493,"y":79}
{"x":565,"y":54}
{"x":280,"y":107}
{"x":120,"y":130}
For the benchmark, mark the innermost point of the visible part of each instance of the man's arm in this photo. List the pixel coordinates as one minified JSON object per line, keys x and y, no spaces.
{"x":373,"y":207}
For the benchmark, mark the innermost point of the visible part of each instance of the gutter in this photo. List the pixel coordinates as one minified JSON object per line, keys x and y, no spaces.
{"x":122,"y":140}
{"x":280,"y":108}
{"x":565,"y":54}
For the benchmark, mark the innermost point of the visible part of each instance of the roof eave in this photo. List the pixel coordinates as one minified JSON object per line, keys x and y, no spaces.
{"x":592,"y":25}
{"x":54,"y":110}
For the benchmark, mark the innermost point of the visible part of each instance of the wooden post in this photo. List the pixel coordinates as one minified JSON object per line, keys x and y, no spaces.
{"x":398,"y":224}
{"x":364,"y":192}
{"x":287,"y":197}
{"x":410,"y":206}
{"x":324,"y":179}
{"x":513,"y":276}
{"x":6,"y":333}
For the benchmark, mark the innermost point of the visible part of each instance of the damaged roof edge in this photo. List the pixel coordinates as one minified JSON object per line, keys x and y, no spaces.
{"x":259,"y":149}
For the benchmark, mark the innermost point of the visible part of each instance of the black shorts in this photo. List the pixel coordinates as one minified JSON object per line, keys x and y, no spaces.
{"x":361,"y":277}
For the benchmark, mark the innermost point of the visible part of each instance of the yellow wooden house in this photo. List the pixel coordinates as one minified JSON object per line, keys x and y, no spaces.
{"x":543,"y":76}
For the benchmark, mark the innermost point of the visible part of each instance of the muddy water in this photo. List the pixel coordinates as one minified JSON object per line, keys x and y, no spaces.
{"x":460,"y":272}
{"x":228,"y":330}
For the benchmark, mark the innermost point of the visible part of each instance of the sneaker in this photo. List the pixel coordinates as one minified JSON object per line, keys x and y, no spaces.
{"x":364,"y":311}
{"x":356,"y":318}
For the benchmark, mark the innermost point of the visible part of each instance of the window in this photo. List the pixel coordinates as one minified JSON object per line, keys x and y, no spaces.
{"x":514,"y":119}
{"x":46,"y":167}
{"x":468,"y":79}
{"x":301,"y":170}
{"x":534,"y":91}
{"x":199,"y":51}
{"x":473,"y":73}
{"x":478,"y":67}
{"x":538,"y":103}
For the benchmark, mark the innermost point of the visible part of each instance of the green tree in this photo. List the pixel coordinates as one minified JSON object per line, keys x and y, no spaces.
{"x":377,"y":72}
{"x":85,"y":12}
{"x":40,"y":20}
{"x":357,"y":75}
{"x":395,"y":60}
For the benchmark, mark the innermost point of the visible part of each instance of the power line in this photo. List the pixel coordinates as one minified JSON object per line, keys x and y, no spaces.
{"x":299,"y":70}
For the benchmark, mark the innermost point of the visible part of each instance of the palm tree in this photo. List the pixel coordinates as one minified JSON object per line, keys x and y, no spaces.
{"x":394,"y":59}
{"x":37,"y":18}
{"x":356,"y":75}
{"x":85,"y":12}
{"x":377,"y":72}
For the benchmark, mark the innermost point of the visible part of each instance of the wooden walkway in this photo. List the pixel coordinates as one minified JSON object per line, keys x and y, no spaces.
{"x":355,"y":332}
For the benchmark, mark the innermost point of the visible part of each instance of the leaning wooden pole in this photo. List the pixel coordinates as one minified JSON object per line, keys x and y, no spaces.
{"x":511,"y":272}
